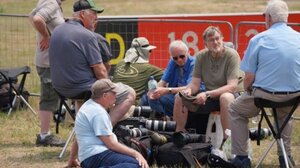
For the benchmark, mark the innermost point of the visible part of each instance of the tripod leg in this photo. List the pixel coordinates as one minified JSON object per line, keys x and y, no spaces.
{"x":12,"y":105}
{"x":286,"y":160}
{"x":27,"y":104}
{"x":66,"y":145}
{"x":265,"y":154}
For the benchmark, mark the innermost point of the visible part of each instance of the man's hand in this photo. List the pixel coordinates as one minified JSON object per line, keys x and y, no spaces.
{"x":187,"y":91}
{"x":200,"y":98}
{"x":142,"y":162}
{"x":73,"y":163}
{"x":158,"y":92}
{"x":44,"y":43}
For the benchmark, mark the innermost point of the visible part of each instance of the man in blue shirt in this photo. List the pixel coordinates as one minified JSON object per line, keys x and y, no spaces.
{"x":271,"y":64}
{"x":98,"y":145}
{"x":175,"y":78}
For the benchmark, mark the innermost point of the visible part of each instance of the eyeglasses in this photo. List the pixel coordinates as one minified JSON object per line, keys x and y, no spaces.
{"x":180,"y":56}
{"x":214,"y":39}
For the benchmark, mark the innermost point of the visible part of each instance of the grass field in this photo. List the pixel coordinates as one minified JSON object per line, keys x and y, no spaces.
{"x":18,"y":131}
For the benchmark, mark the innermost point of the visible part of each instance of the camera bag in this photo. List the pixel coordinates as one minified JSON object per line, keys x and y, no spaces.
{"x":190,"y":155}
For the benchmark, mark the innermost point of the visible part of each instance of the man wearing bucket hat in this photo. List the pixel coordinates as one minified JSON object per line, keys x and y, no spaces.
{"x":135,"y":69}
{"x":176,"y":76}
{"x":75,"y":40}
{"x":98,"y":145}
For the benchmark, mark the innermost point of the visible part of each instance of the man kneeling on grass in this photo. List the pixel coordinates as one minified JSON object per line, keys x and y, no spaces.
{"x":98,"y":145}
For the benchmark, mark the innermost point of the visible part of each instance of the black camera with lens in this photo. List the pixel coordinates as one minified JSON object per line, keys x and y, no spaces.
{"x":142,"y":111}
{"x":124,"y":131}
{"x":255,"y":135}
{"x":182,"y":138}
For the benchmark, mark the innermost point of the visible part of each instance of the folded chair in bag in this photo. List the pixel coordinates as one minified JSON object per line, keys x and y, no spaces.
{"x":16,"y":91}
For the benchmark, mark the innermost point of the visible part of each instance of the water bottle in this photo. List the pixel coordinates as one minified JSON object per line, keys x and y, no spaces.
{"x":152,"y":84}
{"x":202,"y":87}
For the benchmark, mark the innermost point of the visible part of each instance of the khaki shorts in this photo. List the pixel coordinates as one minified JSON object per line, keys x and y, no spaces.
{"x":49,"y":100}
{"x":122,"y":92}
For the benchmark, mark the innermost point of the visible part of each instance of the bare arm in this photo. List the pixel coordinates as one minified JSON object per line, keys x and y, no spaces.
{"x":73,"y":161}
{"x":40,"y":26}
{"x":100,"y":71}
{"x":193,"y":86}
{"x":230,"y":87}
{"x":248,"y":81}
{"x":107,"y":66}
{"x":162,"y":89}
{"x":114,"y":145}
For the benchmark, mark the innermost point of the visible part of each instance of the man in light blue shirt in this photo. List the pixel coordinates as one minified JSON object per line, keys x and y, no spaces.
{"x":98,"y":145}
{"x":272,"y":71}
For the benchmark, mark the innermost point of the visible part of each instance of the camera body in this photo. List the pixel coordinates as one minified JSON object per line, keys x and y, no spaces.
{"x":182,"y":138}
{"x":264,"y":133}
{"x":124,"y":131}
{"x":142,"y":111}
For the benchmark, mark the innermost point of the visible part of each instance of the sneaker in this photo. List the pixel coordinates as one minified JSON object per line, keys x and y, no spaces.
{"x":245,"y":163}
{"x":50,"y":140}
{"x":282,"y":163}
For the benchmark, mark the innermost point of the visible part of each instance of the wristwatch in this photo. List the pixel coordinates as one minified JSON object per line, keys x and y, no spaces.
{"x":207,"y":95}
{"x":170,"y":90}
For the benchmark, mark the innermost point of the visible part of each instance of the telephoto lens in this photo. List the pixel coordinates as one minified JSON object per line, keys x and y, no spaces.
{"x":156,"y":125}
{"x":142,"y":111}
{"x":124,"y":131}
{"x":182,"y":138}
{"x":138,"y":132}
{"x":264,"y":133}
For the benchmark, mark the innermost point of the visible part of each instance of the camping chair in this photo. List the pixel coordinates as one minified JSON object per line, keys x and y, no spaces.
{"x":83,"y":96}
{"x":276,"y":132}
{"x":10,"y":76}
{"x":64,"y":107}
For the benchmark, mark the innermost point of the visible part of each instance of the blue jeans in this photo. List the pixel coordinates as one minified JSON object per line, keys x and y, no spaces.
{"x":109,"y":158}
{"x":144,"y":100}
{"x":163,"y":105}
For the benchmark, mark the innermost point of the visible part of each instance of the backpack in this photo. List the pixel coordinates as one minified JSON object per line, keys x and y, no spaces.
{"x":7,"y":96}
{"x":190,"y":155}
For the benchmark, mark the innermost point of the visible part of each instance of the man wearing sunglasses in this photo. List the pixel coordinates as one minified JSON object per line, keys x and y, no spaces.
{"x":175,"y":78}
{"x":218,"y":67}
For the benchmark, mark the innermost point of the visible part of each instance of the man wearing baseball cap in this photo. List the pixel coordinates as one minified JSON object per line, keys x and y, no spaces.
{"x":76,"y":62}
{"x":98,"y":145}
{"x":86,"y":4}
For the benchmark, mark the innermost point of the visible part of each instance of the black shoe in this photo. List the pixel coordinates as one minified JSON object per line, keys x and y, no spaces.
{"x":50,"y":140}
{"x":282,"y":163}
{"x":215,"y":161}
{"x":245,"y":163}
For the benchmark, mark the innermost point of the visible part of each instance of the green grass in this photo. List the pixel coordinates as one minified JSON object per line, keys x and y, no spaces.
{"x":18,"y":134}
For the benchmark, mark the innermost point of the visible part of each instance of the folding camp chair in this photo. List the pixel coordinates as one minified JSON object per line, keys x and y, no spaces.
{"x":275,"y":128}
{"x":83,"y":96}
{"x":10,"y":76}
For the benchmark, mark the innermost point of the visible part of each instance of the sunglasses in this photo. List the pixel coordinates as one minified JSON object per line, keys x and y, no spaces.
{"x":180,"y":56}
